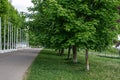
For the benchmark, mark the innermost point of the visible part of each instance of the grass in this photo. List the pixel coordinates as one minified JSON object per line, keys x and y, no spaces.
{"x":49,"y":66}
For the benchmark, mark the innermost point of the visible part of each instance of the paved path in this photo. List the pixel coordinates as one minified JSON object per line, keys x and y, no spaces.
{"x":14,"y":65}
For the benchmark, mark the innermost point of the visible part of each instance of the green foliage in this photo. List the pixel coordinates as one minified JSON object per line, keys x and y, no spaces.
{"x":10,"y":14}
{"x":88,"y":24}
{"x":3,"y":7}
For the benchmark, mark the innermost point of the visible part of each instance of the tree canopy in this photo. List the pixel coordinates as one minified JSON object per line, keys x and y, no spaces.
{"x":84,"y":23}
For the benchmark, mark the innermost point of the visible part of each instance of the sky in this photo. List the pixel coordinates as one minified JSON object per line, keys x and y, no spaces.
{"x":21,"y":5}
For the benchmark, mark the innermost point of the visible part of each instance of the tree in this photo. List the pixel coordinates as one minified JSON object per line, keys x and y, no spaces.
{"x":86,"y":24}
{"x":3,"y":7}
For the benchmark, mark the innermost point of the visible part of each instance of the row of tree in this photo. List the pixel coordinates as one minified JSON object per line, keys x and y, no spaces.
{"x":73,"y":24}
{"x":9,"y":13}
{"x":11,"y":20}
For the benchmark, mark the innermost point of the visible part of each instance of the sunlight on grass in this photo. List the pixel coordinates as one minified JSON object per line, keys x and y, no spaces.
{"x":49,"y":66}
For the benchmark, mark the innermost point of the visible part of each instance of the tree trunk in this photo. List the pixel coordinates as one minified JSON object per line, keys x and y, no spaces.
{"x":61,"y":51}
{"x":119,"y":52}
{"x":69,"y":51}
{"x":5,"y":34}
{"x":74,"y":54}
{"x":87,"y":61}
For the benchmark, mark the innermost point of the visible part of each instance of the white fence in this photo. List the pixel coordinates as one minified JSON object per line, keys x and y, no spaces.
{"x":12,"y":37}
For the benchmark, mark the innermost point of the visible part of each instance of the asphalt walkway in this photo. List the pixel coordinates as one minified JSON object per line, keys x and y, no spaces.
{"x":13,"y":65}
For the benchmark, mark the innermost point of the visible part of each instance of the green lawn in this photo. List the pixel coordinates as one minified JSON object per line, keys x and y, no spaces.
{"x":49,"y":66}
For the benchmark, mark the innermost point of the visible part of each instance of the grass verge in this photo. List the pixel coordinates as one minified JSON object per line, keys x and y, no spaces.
{"x":49,"y":66}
